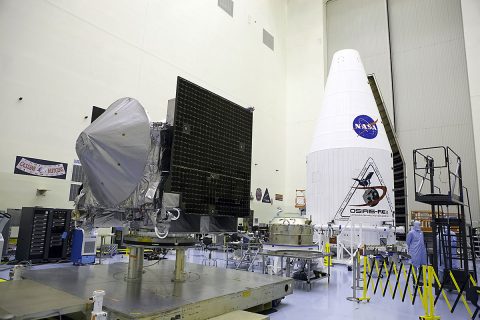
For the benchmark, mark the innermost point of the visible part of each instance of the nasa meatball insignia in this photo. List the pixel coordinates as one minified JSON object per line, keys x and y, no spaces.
{"x":365,"y":127}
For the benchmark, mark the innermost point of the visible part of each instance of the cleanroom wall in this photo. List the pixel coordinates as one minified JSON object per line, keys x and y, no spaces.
{"x":305,"y":82}
{"x":63,"y":57}
{"x":471,"y":30}
{"x":430,"y":83}
{"x":424,"y":40}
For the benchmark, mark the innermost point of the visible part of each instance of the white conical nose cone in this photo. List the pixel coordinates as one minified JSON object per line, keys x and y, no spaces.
{"x":349,"y":167}
{"x":349,"y":116}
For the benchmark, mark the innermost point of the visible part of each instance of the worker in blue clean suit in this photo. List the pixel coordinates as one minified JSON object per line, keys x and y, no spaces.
{"x":416,"y":246}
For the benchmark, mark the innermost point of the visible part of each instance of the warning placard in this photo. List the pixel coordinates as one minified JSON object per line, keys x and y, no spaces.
{"x":266,"y":197}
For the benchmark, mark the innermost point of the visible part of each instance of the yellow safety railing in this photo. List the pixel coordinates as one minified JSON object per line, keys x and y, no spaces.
{"x":395,"y":273}
{"x":379,"y":278}
{"x":473,"y":281}
{"x":416,"y":281}
{"x":406,"y":277}
{"x":443,"y":292}
{"x":462,"y":297}
{"x":388,"y":284}
{"x":364,"y":277}
{"x":428,"y":296}
{"x":356,"y":266}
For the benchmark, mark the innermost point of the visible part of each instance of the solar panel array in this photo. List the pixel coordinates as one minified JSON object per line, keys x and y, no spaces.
{"x":211,"y":153}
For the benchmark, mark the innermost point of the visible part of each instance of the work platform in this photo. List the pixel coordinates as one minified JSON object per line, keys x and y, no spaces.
{"x":26,"y":299}
{"x":439,"y":199}
{"x":206,"y":293}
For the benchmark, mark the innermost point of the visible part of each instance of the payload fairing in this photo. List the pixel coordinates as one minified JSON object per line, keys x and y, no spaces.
{"x":349,"y":166}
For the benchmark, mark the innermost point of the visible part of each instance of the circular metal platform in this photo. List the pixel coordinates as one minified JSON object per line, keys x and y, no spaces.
{"x":155,"y":242}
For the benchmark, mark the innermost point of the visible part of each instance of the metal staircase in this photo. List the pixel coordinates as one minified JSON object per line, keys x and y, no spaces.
{"x":399,"y":176}
{"x":438,"y":182}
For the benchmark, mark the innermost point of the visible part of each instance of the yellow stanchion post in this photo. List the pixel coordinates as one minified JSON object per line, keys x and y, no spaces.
{"x":327,"y":261}
{"x":431,"y":295}
{"x":364,"y":276}
{"x":425,"y":289}
{"x":429,"y":303}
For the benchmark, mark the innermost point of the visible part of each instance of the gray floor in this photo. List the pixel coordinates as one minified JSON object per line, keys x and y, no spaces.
{"x":328,"y":301}
{"x":325,"y":301}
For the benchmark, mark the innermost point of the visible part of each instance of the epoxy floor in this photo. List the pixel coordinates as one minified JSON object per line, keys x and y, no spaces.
{"x":329,"y":301}
{"x":323,"y":301}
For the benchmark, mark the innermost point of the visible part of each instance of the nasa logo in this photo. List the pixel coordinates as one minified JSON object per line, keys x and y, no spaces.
{"x":365,"y":127}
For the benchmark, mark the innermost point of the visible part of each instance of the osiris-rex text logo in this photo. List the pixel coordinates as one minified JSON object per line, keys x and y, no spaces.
{"x":365,"y":127}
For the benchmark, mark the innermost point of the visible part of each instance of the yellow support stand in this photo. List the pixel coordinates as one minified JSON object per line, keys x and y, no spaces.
{"x":356,"y":264}
{"x":327,"y":261}
{"x":428,"y":299}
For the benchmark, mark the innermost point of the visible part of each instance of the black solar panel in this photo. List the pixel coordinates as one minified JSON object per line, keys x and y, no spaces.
{"x":211,"y":153}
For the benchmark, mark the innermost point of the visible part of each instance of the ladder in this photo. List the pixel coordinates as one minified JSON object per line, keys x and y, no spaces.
{"x":250,"y":256}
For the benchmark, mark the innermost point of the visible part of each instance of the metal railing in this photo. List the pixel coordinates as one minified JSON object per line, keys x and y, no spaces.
{"x":431,"y":165}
